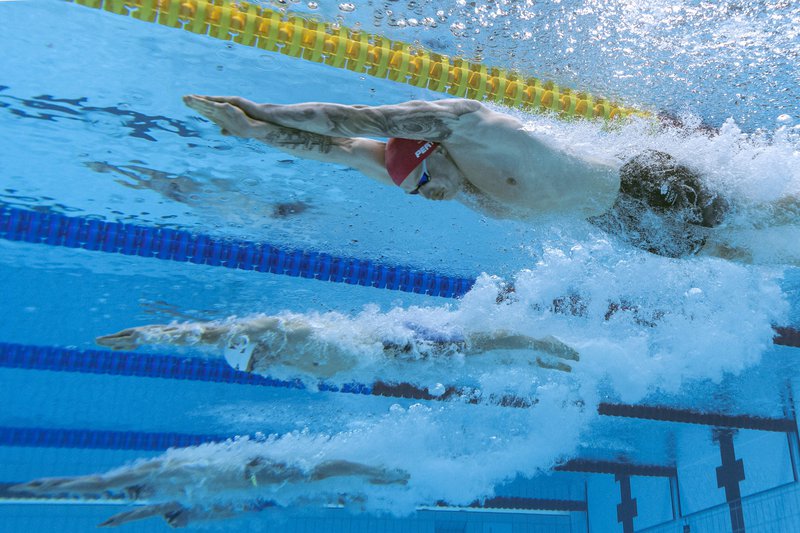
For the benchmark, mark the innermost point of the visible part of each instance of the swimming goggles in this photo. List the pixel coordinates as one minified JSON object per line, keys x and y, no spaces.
{"x":423,"y":179}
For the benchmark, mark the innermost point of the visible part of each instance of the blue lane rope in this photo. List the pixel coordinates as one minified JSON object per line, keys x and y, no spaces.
{"x":177,"y":245}
{"x":57,"y":359}
{"x":33,"y":437}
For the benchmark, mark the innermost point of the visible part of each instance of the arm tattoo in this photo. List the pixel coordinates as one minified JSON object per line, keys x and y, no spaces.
{"x":420,"y":120}
{"x":291,"y":139}
{"x":427,"y":125}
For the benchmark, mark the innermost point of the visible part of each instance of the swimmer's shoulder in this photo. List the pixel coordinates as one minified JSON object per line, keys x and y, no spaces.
{"x":474,"y":110}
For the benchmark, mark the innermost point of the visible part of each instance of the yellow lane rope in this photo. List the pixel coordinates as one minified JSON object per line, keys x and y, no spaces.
{"x":364,"y":53}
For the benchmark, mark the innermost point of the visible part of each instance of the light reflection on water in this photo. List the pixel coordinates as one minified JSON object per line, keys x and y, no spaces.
{"x":716,"y":59}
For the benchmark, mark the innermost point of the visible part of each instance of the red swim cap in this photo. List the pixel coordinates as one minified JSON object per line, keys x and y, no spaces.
{"x":404,"y":155}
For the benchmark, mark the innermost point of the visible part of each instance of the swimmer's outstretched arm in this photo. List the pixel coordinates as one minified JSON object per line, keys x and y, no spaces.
{"x":132,"y":481}
{"x":430,"y":121}
{"x":290,"y":342}
{"x":503,"y":340}
{"x":142,"y":481}
{"x":187,"y":334}
{"x":178,"y":515}
{"x":175,"y":514}
{"x":374,"y":475}
{"x":365,"y":155}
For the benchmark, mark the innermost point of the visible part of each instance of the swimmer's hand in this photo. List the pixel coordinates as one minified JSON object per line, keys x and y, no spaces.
{"x":188,"y":334}
{"x":127,"y":339}
{"x":390,"y":477}
{"x":173,"y":513}
{"x":548,"y":345}
{"x":553,"y":365}
{"x":552,"y":346}
{"x":39,"y":486}
{"x":91,"y":484}
{"x":225,"y":113}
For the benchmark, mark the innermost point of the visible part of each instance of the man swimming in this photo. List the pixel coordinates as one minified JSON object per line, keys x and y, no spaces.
{"x":164,"y":483}
{"x":322,"y":347}
{"x":462,"y":150}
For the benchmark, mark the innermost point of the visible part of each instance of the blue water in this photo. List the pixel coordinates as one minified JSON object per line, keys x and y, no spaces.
{"x":92,"y":125}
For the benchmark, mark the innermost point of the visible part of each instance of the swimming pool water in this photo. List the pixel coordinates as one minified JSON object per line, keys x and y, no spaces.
{"x":92,"y":126}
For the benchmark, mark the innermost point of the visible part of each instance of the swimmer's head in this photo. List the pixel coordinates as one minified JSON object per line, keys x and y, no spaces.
{"x":446,"y":180}
{"x":666,"y":186}
{"x":422,"y":167}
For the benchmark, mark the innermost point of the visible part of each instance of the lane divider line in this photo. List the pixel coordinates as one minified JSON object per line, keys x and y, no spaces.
{"x":296,"y":36}
{"x":182,"y":246}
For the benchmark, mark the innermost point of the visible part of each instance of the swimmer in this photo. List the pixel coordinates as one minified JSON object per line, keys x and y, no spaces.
{"x":462,"y":150}
{"x":163,"y":483}
{"x":261,"y":343}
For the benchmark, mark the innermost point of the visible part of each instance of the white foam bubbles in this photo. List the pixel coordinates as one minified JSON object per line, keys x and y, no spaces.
{"x":641,"y":323}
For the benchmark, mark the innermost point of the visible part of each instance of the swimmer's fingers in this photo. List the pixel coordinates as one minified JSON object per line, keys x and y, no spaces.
{"x":231,"y":119}
{"x":250,"y":108}
{"x":125,"y":517}
{"x":132,"y":338}
{"x":170,"y":511}
{"x":45,"y":485}
{"x":127,"y":339}
{"x":54,"y":485}
{"x":199,"y":104}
